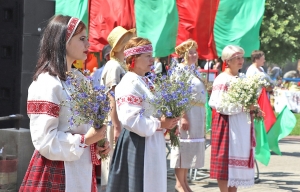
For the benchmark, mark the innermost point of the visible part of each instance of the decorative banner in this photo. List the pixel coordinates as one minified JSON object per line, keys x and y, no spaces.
{"x":74,"y":8}
{"x":196,"y":21}
{"x":158,"y":21}
{"x":213,"y":24}
{"x":238,"y":23}
{"x":106,"y":15}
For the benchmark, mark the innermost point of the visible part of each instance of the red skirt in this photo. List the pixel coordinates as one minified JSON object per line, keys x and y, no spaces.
{"x":219,"y":147}
{"x":44,"y":175}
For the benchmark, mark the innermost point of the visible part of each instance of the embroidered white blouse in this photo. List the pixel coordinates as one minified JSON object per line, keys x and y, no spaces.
{"x":136,"y":116}
{"x":51,"y":135}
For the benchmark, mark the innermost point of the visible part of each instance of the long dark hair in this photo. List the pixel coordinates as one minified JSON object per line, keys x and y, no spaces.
{"x":52,"y":50}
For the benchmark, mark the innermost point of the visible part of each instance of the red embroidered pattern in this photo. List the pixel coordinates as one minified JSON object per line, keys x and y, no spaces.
{"x":239,"y":162}
{"x":72,"y":25}
{"x":131,"y":99}
{"x":220,"y":87}
{"x":138,"y":50}
{"x":42,"y":107}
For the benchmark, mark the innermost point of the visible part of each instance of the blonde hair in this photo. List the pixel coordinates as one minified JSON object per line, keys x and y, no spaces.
{"x":183,"y":49}
{"x":230,"y":50}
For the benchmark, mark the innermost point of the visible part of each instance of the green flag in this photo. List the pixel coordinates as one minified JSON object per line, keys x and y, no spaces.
{"x":283,"y":126}
{"x":208,"y":114}
{"x":238,"y":23}
{"x":157,"y":20}
{"x":74,"y":8}
{"x":262,"y":150}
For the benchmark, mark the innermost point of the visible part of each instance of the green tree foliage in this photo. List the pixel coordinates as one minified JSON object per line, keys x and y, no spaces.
{"x":280,"y":31}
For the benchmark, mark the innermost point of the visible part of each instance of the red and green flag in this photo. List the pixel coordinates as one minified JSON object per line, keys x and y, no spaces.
{"x":265,"y":106}
{"x":213,"y":24}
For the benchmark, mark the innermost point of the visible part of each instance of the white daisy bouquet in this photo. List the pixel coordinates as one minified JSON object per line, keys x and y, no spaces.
{"x":88,"y":104}
{"x":244,"y":91}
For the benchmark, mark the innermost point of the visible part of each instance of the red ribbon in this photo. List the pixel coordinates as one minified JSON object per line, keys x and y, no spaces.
{"x":224,"y":65}
{"x":132,"y":63}
{"x":95,"y":160}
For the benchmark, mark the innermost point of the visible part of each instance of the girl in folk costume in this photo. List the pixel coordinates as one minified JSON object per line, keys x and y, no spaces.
{"x":64,"y":158}
{"x":190,"y":153}
{"x":139,"y":159}
{"x":233,"y":138}
{"x":112,"y":73}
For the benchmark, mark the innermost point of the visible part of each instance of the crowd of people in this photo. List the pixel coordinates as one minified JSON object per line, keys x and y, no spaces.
{"x":64,"y":158}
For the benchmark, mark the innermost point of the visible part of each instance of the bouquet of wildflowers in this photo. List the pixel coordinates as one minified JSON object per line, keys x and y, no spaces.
{"x":88,"y":104}
{"x":173,"y":95}
{"x":244,"y":92}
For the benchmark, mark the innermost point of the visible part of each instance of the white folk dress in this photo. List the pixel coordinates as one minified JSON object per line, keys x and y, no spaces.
{"x":137,"y":166}
{"x":241,"y":138}
{"x":51,"y":135}
{"x":191,"y":152}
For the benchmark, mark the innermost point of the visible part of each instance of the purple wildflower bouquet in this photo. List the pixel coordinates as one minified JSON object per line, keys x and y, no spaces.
{"x":173,"y":95}
{"x":88,"y":104}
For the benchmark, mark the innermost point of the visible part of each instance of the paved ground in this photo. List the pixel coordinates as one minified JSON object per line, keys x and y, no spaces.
{"x":282,"y":173}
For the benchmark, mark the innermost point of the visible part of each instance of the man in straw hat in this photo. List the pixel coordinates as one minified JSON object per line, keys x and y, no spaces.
{"x":112,"y":73}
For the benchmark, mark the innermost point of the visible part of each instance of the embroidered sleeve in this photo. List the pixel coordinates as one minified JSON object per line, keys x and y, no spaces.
{"x":219,"y":88}
{"x":131,"y":112}
{"x":42,"y":107}
{"x":129,"y":99}
{"x":48,"y":133}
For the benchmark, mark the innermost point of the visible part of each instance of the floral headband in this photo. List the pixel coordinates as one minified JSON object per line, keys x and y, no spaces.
{"x":138,"y":50}
{"x":235,"y":55}
{"x":72,"y":25}
{"x":225,"y":63}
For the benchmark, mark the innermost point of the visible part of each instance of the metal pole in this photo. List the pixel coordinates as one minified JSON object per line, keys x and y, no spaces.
{"x":16,"y":118}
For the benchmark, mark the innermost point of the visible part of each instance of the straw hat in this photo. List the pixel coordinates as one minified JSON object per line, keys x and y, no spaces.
{"x":118,"y":37}
{"x":185,"y":46}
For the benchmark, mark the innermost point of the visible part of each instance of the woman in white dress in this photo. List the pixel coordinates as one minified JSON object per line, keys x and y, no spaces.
{"x":190,"y":153}
{"x":139,"y":159}
{"x":64,"y":157}
{"x":233,"y":138}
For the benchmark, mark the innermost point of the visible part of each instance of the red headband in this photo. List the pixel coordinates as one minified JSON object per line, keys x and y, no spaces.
{"x":138,"y":50}
{"x":72,"y":25}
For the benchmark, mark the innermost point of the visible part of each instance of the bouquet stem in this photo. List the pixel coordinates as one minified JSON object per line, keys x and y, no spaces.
{"x":173,"y":137}
{"x":101,"y":143}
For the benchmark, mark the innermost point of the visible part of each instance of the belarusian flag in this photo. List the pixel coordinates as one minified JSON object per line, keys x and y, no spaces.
{"x":213,"y":24}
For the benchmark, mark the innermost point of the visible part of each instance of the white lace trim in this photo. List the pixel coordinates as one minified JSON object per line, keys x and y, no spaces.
{"x":240,"y":183}
{"x":192,"y":140}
